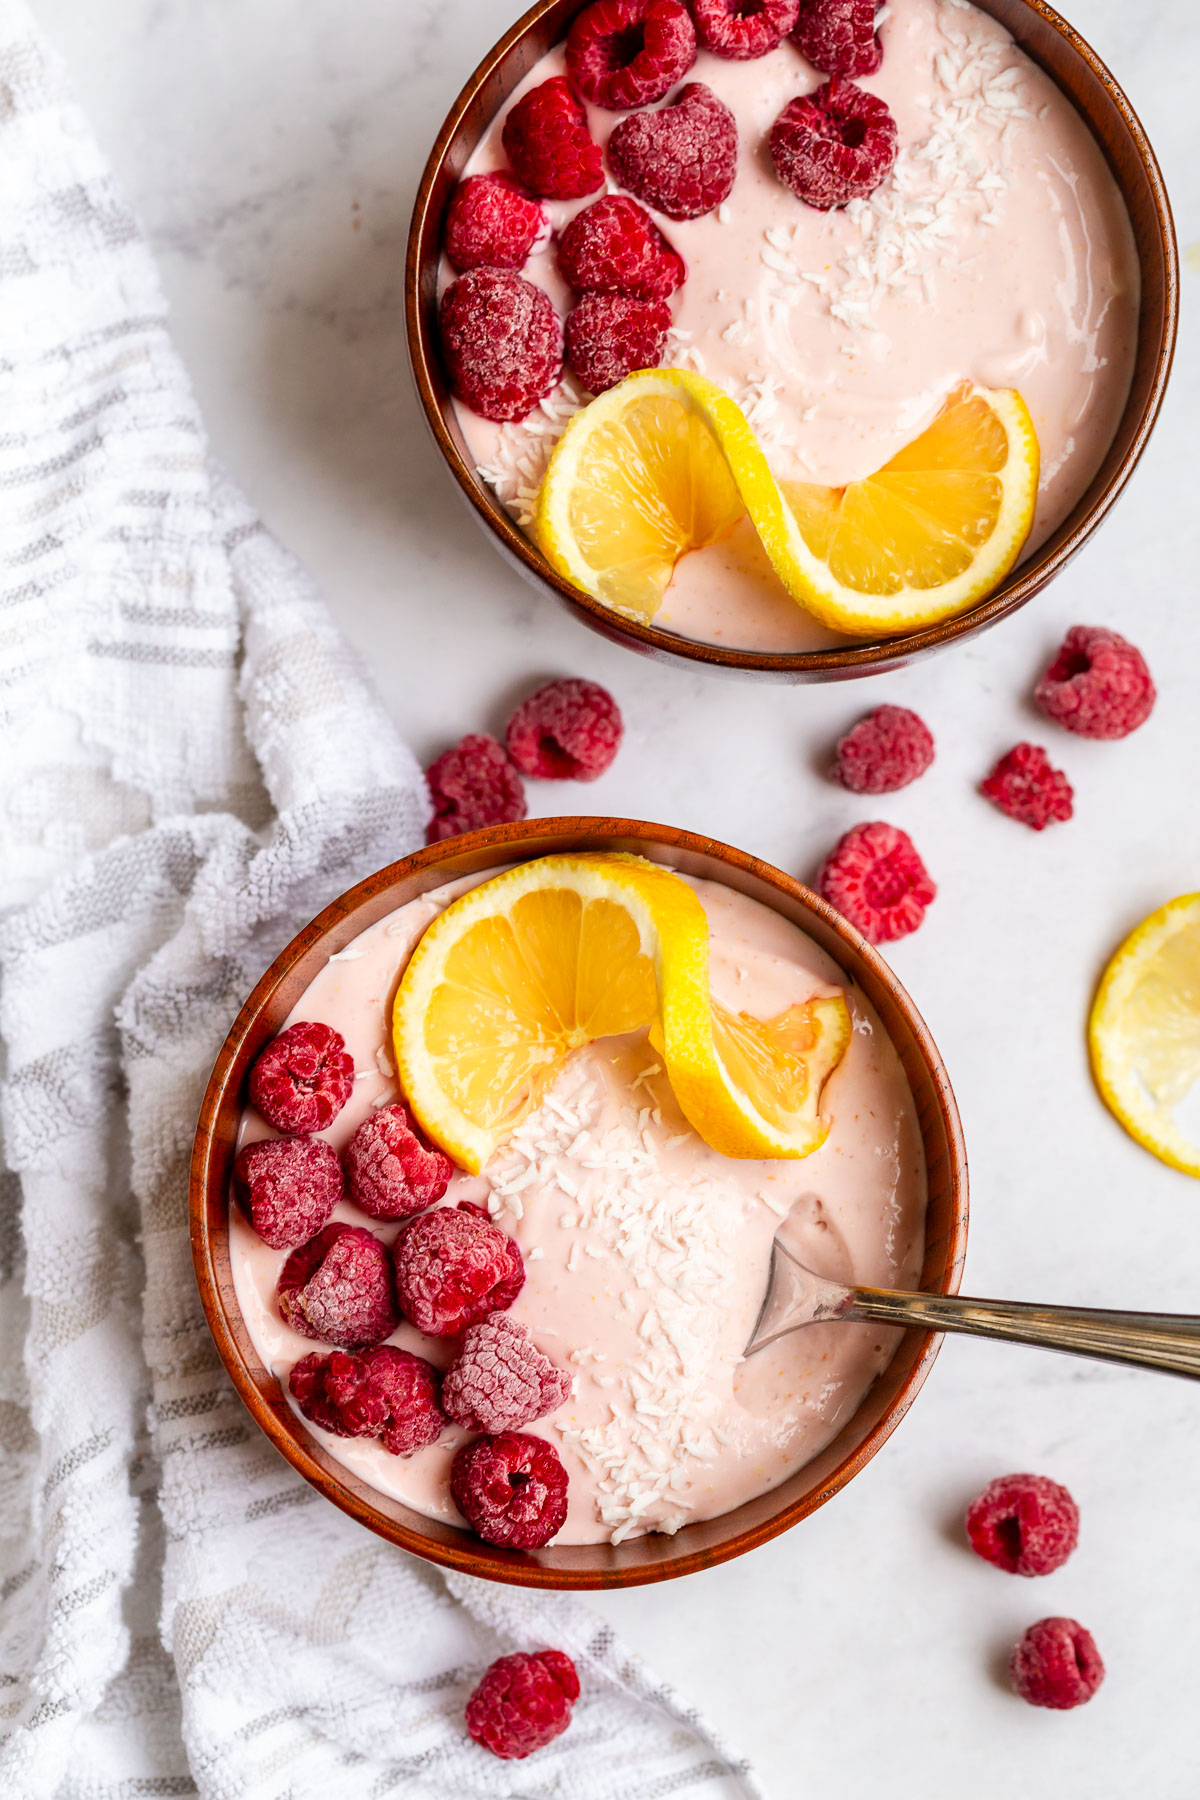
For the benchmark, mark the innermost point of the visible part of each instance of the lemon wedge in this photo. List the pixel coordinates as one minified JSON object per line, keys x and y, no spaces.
{"x":1144,"y":1030}
{"x":558,"y":952}
{"x":666,"y":463}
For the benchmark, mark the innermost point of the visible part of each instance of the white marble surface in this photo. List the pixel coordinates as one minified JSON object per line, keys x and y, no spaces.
{"x":273,"y":149}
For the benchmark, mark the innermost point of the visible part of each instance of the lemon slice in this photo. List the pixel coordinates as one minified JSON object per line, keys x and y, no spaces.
{"x":666,"y":463}
{"x":549,"y":956}
{"x":1144,"y":1030}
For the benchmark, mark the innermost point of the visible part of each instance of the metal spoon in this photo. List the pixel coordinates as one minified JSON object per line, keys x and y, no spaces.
{"x":796,"y":1297}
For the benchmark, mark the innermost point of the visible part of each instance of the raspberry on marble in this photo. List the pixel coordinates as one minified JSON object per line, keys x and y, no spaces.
{"x":569,"y":730}
{"x":1098,"y":685}
{"x":1024,"y":785}
{"x":876,"y":880}
{"x":1056,"y":1664}
{"x":287,"y":1187}
{"x":884,"y":752}
{"x":1024,"y":1524}
{"x":472,"y":785}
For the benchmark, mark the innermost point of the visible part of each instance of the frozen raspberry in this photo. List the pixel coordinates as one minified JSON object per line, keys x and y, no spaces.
{"x":614,"y":247}
{"x":392,"y":1169}
{"x":610,"y":335}
{"x":502,"y":343}
{"x":742,"y":29}
{"x":1024,"y":786}
{"x":626,"y":53}
{"x":1056,"y":1664}
{"x":838,"y":36}
{"x":473,"y":784}
{"x":877,"y":881}
{"x":1024,"y":1524}
{"x":288,"y":1187}
{"x":568,"y":731}
{"x":511,"y":1489}
{"x":500,"y":1380}
{"x":885,"y":751}
{"x":547,"y":141}
{"x":523,"y":1703}
{"x":493,"y":223}
{"x":453,"y":1267}
{"x":833,"y":146}
{"x":1098,"y":685}
{"x":680,"y":160}
{"x":385,"y":1393}
{"x":338,"y":1287}
{"x":303,"y":1078}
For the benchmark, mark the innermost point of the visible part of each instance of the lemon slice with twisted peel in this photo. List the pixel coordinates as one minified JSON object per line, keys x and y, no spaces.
{"x":666,"y":463}
{"x":529,"y":966}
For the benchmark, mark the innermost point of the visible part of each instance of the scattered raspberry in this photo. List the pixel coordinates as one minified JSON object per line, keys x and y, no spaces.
{"x":547,"y":141}
{"x":523,"y":1703}
{"x":885,"y":751}
{"x":453,"y":1267}
{"x":493,"y":223}
{"x":500,"y":1380}
{"x":1056,"y":1664}
{"x":838,"y":36}
{"x":680,"y":160}
{"x":609,"y":336}
{"x":471,"y":785}
{"x":614,"y":247}
{"x":626,"y":53}
{"x":392,"y":1169}
{"x":385,"y":1393}
{"x":833,"y":146}
{"x":742,"y":29}
{"x":502,"y":343}
{"x":338,"y":1287}
{"x":1024,"y":786}
{"x":1024,"y":1524}
{"x":877,"y":881}
{"x":303,"y":1078}
{"x":288,"y":1187}
{"x":1098,"y":685}
{"x":568,"y":731}
{"x":511,"y":1489}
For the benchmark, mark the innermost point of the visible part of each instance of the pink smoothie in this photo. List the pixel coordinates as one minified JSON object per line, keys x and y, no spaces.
{"x":998,"y":251}
{"x":646,"y":1252}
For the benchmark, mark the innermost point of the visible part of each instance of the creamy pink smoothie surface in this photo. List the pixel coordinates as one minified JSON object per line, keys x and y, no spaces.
{"x":997,"y":251}
{"x":646,"y":1252}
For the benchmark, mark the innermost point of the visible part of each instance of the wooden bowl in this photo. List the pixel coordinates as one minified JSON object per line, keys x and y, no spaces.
{"x":638,"y":1560}
{"x":1058,"y":49}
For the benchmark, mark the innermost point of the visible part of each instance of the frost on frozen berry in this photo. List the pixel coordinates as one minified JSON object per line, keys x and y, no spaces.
{"x":453,"y":1267}
{"x":741,"y":29}
{"x":833,"y":146}
{"x":876,"y":880}
{"x":838,"y":36}
{"x":392,"y":1169}
{"x":614,"y":247}
{"x":609,"y":336}
{"x":385,"y":1393}
{"x":472,"y":785}
{"x":523,"y":1703}
{"x":1056,"y":1664}
{"x":287,"y":1187}
{"x":303,"y":1078}
{"x":1025,"y":786}
{"x":500,"y":1380}
{"x":884,"y":751}
{"x":547,"y":141}
{"x":502,"y":343}
{"x":339,"y":1288}
{"x":569,"y":730}
{"x":493,"y":223}
{"x":681,"y":160}
{"x":627,"y":53}
{"x":1024,"y":1524}
{"x":511,"y":1489}
{"x":1098,"y":684}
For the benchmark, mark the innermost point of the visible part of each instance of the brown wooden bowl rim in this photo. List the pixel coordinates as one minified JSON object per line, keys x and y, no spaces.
{"x":337,"y":921}
{"x":865,"y":658}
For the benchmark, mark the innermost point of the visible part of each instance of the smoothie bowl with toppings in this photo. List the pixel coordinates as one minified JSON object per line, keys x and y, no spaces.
{"x":795,"y":336}
{"x":487,"y":1179}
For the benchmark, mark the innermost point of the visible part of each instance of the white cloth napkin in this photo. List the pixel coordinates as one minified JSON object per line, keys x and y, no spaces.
{"x":192,"y":764}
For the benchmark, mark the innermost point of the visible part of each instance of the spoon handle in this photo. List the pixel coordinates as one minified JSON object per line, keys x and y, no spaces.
{"x":1166,"y":1341}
